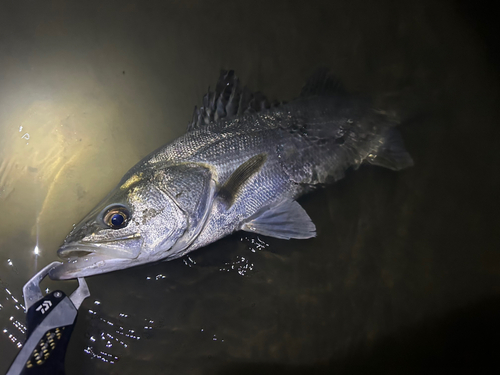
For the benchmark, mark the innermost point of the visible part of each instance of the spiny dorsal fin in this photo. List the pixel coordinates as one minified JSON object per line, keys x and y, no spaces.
{"x":229,"y":191}
{"x":321,"y":82}
{"x":227,"y":101}
{"x":285,"y":220}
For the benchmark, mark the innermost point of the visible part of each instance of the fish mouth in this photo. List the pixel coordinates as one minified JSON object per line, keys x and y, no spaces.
{"x":69,"y":251}
{"x":87,"y":265}
{"x":81,"y":260}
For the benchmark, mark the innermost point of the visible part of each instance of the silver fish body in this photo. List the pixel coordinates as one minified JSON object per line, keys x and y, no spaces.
{"x":237,"y":168}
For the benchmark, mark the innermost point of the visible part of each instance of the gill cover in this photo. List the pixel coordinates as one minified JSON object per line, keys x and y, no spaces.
{"x":192,"y":188}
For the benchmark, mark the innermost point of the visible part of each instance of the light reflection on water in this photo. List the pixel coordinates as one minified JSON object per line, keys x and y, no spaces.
{"x":110,"y":337}
{"x":243,"y":265}
{"x":16,"y":330}
{"x":107,"y":333}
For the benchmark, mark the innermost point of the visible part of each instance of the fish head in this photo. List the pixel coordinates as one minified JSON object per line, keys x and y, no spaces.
{"x":139,"y":222}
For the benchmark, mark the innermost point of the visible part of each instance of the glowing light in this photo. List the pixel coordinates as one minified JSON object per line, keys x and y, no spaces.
{"x":36,"y":250}
{"x":189,"y":262}
{"x":103,"y":356}
{"x":241,"y":265}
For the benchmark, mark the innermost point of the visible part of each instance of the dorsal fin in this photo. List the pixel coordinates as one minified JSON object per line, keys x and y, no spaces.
{"x":227,"y":101}
{"x":321,"y":82}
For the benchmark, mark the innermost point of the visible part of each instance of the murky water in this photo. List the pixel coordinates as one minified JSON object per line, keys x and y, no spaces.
{"x":405,"y":268}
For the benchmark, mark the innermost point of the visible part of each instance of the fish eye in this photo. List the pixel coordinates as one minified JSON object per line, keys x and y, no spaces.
{"x":116,"y":217}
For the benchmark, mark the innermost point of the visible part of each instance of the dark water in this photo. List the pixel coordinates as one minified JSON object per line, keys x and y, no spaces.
{"x":404,"y":276}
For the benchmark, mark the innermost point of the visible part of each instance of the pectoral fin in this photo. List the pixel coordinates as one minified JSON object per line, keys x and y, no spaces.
{"x":285,"y":220}
{"x":229,"y":191}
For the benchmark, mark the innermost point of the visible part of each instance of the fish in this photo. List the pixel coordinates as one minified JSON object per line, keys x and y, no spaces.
{"x":242,"y":164}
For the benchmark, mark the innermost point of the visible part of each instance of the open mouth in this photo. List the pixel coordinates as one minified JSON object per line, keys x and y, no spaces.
{"x":127,"y":247}
{"x":86,"y":261}
{"x":76,"y":251}
{"x":86,"y":264}
{"x":81,"y":259}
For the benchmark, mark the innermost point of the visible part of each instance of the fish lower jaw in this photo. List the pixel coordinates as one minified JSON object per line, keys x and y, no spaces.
{"x":78,"y":249}
{"x":87,"y":265}
{"x":83,"y":261}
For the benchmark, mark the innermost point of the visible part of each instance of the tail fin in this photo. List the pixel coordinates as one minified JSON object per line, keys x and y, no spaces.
{"x":391,"y":153}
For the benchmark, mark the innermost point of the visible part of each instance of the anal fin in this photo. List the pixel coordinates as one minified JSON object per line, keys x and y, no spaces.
{"x":286,"y":220}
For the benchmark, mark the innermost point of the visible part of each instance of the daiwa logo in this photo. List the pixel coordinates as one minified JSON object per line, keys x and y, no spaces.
{"x":44,"y":307}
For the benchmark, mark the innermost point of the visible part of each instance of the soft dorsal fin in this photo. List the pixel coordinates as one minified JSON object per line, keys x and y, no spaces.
{"x":229,"y":191}
{"x":321,"y":82}
{"x":285,"y":220}
{"x":227,"y":101}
